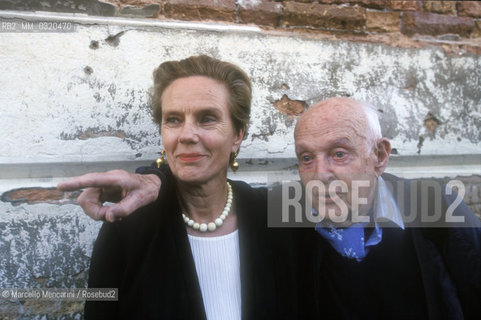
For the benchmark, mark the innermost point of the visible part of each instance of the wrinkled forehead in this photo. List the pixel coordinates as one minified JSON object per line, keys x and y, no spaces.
{"x":336,"y":121}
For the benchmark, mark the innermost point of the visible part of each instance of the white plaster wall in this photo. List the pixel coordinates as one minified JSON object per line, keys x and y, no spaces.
{"x":56,"y":120}
{"x":47,"y":100}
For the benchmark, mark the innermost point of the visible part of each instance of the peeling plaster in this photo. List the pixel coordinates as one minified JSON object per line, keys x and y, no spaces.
{"x":93,"y":133}
{"x":94,"y":44}
{"x":290,"y":107}
{"x":42,"y":245}
{"x":88,"y":70}
{"x":431,"y":123}
{"x":114,"y":40}
{"x":34,"y":195}
{"x":108,"y":101}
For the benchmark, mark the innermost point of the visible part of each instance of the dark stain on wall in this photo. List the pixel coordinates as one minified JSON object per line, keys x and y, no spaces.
{"x":135,"y":141}
{"x":420,"y":144}
{"x":88,"y":70}
{"x":114,"y":40}
{"x":93,"y":133}
{"x":94,"y":44}
{"x":269,"y":128}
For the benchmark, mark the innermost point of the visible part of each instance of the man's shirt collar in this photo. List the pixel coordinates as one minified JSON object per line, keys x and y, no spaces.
{"x":350,"y":241}
{"x":385,"y":206}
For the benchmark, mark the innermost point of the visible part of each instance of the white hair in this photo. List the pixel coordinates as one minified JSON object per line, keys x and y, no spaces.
{"x":373,"y":125}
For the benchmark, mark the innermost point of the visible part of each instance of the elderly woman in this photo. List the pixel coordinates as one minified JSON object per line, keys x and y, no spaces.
{"x":202,"y":251}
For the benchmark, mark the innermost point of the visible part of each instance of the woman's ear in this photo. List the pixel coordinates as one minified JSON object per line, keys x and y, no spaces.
{"x":383,"y":150}
{"x":238,"y":137}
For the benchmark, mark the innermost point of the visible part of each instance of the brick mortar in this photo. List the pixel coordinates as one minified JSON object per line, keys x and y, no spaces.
{"x":268,"y":19}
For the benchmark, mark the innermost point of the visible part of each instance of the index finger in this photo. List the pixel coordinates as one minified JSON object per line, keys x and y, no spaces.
{"x":89,"y":180}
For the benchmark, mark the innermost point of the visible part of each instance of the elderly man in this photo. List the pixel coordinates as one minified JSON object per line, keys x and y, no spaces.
{"x":373,"y":259}
{"x":400,"y":271}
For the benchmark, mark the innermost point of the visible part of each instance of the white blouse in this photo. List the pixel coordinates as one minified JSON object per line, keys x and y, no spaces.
{"x":218,"y":270}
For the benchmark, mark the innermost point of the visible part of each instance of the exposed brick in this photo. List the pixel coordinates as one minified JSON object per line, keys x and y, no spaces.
{"x":102,"y":8}
{"x":408,"y":5}
{"x":33,"y":5}
{"x":372,"y":4}
{"x":377,"y":21}
{"x":137,"y":3}
{"x":39,"y":195}
{"x":290,"y":107}
{"x":91,"y":7}
{"x":431,"y":123}
{"x":477,"y":31}
{"x":469,"y":8}
{"x":6,"y":5}
{"x":330,"y":1}
{"x":446,"y":7}
{"x":148,"y":11}
{"x":265,"y":13}
{"x":220,"y":10}
{"x":435,"y":24}
{"x":324,"y":16}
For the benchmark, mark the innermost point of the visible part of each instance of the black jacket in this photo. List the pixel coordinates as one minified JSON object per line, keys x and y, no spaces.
{"x":445,"y":263}
{"x":148,"y":258}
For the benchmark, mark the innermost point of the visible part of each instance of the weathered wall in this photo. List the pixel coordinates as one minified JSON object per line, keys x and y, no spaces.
{"x":77,"y":102}
{"x":86,"y":96}
{"x":413,"y":23}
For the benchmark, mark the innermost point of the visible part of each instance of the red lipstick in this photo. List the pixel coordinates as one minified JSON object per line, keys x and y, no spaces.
{"x":190,"y":157}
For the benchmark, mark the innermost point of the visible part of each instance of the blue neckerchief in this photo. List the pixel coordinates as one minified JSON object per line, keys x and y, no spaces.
{"x":350,"y":242}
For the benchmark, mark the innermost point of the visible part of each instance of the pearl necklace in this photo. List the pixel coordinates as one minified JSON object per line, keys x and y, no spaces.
{"x":212,"y":226}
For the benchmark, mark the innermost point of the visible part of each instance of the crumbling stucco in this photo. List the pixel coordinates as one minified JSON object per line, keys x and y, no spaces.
{"x":71,"y":101}
{"x":49,"y":95}
{"x":44,"y":246}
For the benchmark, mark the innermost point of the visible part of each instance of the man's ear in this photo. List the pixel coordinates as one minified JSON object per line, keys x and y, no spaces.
{"x":383,"y":150}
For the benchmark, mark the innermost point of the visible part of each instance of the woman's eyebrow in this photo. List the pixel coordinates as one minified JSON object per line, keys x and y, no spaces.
{"x":208,"y":110}
{"x":171,"y":113}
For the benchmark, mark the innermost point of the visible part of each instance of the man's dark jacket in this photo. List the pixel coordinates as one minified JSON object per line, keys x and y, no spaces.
{"x":447,"y":259}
